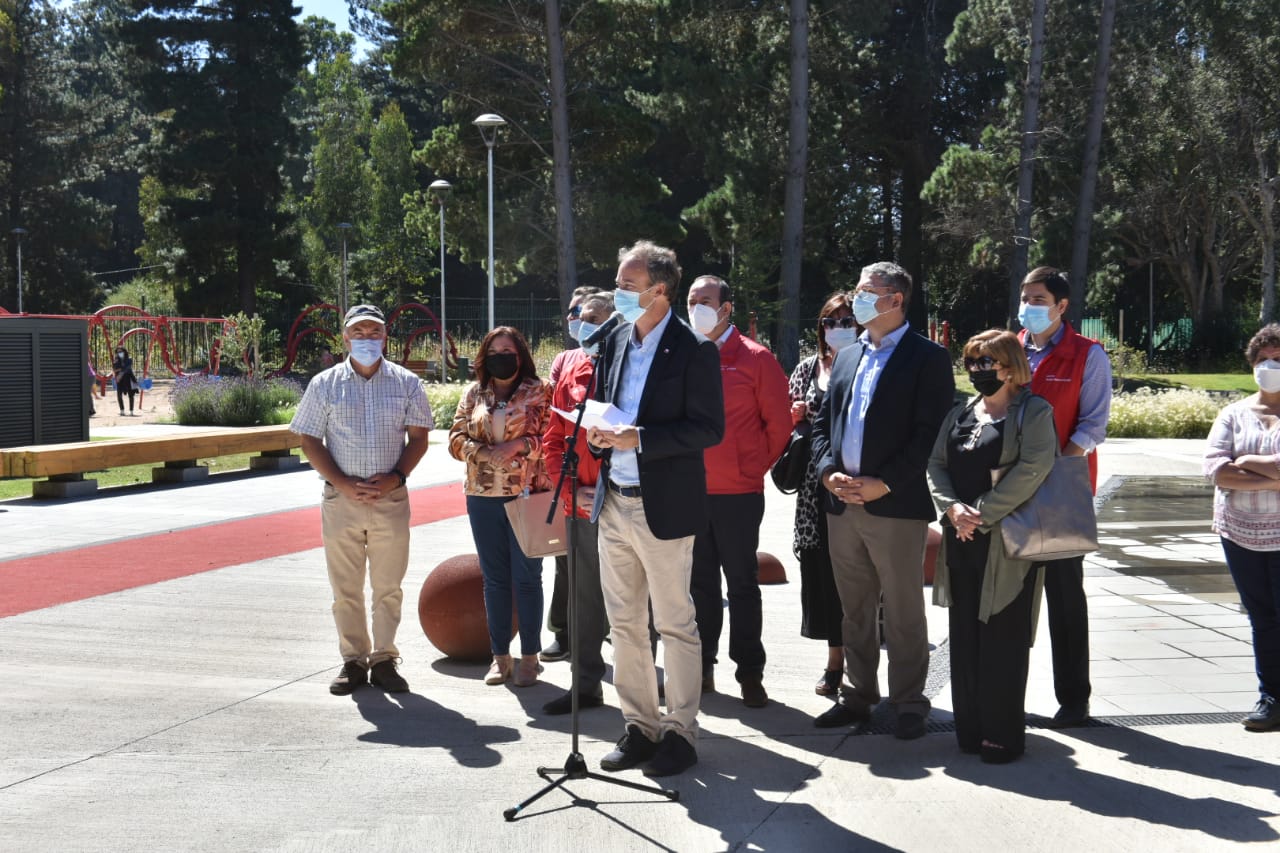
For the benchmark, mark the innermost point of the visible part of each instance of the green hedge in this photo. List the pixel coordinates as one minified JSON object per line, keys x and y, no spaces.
{"x":1172,"y":413}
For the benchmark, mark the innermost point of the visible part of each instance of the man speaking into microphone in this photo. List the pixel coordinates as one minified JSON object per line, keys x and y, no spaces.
{"x":650,"y":502}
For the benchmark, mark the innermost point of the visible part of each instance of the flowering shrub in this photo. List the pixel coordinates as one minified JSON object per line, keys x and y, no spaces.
{"x":444,"y":401}
{"x":1172,"y":413}
{"x":238,"y":401}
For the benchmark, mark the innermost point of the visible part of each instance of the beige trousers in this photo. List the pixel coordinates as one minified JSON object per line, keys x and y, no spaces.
{"x":635,"y":568}
{"x":359,"y":536}
{"x":871,"y":555}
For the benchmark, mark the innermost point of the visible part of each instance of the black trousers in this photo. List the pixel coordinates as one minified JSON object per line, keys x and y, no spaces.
{"x":1068,"y":629}
{"x":989,"y":663}
{"x":558,"y":610}
{"x":729,"y":542}
{"x":588,"y":602}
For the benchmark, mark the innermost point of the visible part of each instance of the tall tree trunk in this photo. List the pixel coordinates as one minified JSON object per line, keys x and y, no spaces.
{"x":788,"y":343}
{"x":1089,"y":175}
{"x":1026,"y":159}
{"x":562,"y":175}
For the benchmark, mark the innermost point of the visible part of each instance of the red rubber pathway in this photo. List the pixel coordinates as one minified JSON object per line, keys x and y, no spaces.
{"x":46,"y":580}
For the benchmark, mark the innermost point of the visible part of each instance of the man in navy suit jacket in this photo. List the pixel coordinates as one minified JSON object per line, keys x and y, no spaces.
{"x":885,"y":403}
{"x":651,"y":499}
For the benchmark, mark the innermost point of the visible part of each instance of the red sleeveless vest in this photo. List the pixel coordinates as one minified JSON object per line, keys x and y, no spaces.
{"x":1058,"y":380}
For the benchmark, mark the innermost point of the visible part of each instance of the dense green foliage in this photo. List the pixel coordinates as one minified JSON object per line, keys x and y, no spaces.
{"x":220,"y":144}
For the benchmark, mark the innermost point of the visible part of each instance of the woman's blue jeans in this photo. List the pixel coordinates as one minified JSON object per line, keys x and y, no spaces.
{"x":1257,"y":578}
{"x":506,"y":571}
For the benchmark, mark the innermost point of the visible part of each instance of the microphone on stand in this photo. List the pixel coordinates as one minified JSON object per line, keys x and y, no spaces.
{"x":605,"y":329}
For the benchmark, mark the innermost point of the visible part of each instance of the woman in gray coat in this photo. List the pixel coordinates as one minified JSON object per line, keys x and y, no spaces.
{"x":991,"y":455}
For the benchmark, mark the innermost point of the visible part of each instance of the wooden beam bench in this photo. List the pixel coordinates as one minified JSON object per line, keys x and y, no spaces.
{"x":66,"y":464}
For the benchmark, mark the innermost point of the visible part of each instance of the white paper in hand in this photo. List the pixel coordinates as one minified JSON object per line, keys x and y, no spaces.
{"x":602,"y":416}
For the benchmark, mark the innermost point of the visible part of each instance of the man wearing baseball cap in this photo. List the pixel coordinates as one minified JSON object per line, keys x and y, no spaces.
{"x":364,"y":424}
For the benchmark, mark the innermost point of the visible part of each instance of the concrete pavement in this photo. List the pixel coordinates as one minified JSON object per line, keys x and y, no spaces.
{"x":193,"y":714}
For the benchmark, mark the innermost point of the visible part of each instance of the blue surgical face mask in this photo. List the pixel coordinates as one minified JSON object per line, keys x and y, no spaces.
{"x":1034,"y":318}
{"x":864,"y":307}
{"x":627,"y":303}
{"x":838,"y":338}
{"x":366,"y":351}
{"x":574,"y":326}
{"x":584,"y":331}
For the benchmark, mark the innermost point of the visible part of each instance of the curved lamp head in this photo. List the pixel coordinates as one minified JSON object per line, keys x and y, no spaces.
{"x":19,"y":232}
{"x":441,"y":189}
{"x":489,"y":124}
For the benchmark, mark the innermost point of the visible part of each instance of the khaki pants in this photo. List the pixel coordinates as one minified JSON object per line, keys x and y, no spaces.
{"x":357,"y":535}
{"x":636,"y":567}
{"x":871,"y":555}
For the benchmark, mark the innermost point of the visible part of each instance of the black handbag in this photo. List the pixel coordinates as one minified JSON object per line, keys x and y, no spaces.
{"x":788,"y":472}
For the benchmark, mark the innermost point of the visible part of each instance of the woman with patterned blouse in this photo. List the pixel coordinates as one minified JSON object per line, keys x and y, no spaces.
{"x":820,"y":610}
{"x":498,"y":431}
{"x":1243,"y":460}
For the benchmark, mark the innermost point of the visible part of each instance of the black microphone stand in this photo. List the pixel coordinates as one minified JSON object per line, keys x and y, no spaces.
{"x":575,"y":766}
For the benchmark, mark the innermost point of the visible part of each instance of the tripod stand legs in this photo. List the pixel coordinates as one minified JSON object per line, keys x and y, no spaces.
{"x":575,"y":767}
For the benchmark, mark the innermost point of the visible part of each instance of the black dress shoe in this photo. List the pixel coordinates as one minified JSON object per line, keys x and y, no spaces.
{"x":839,"y":715}
{"x":1265,"y":716}
{"x":909,"y":726}
{"x":674,"y":756}
{"x":564,"y":704}
{"x":384,"y":675}
{"x":633,"y":750}
{"x":1070,"y":716}
{"x":351,"y":676}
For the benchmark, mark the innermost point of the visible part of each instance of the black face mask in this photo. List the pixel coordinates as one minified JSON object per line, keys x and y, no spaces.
{"x":986,"y":382}
{"x":502,"y":365}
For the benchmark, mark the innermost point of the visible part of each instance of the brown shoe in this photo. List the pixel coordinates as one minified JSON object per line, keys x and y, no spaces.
{"x":499,"y":670}
{"x":753,"y":693}
{"x":829,"y":684}
{"x":527,"y":671}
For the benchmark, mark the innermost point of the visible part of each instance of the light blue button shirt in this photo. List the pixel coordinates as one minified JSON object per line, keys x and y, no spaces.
{"x":625,"y":465}
{"x":874,"y":358}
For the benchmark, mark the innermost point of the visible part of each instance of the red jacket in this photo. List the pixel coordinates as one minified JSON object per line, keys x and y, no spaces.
{"x":570,"y":389}
{"x":757,"y":418}
{"x":1057,"y":379}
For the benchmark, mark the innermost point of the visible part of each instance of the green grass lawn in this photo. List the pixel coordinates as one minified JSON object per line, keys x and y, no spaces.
{"x":131,"y":475}
{"x":1206,"y":381}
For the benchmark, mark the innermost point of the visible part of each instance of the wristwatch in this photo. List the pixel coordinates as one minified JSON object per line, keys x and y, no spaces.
{"x":401,"y":475}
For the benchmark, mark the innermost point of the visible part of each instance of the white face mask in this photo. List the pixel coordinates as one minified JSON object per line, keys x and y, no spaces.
{"x":574,"y":326}
{"x":839,"y":338}
{"x":585,"y":331}
{"x":366,"y":351}
{"x":704,"y":318}
{"x":1267,"y":375}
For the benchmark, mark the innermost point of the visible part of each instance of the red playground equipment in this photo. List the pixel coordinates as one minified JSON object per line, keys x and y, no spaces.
{"x":413,"y":332}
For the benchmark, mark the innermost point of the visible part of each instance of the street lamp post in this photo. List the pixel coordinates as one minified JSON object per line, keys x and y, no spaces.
{"x":441,"y":189}
{"x":343,"y":228}
{"x":488,"y":125}
{"x":22,"y":232}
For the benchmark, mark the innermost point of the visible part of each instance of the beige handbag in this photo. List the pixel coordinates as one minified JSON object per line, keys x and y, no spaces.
{"x":528,"y":517}
{"x":1058,"y":521}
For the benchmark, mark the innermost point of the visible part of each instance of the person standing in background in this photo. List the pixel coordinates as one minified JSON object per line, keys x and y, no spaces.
{"x":757,"y":426}
{"x":1073,"y":373}
{"x":558,"y":610}
{"x":365,"y":424}
{"x":820,"y":610}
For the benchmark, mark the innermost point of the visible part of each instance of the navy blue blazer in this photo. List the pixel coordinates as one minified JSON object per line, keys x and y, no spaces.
{"x":681,"y":414}
{"x":913,"y":395}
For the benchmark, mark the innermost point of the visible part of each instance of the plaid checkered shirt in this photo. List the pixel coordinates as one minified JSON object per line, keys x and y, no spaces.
{"x":363,"y":421}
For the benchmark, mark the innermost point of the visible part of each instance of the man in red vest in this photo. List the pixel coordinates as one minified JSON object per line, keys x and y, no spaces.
{"x":1073,"y":373}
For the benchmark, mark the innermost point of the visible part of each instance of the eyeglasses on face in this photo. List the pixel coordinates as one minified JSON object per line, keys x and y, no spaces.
{"x":575,"y":312}
{"x":984,"y":362}
{"x":843,"y":322}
